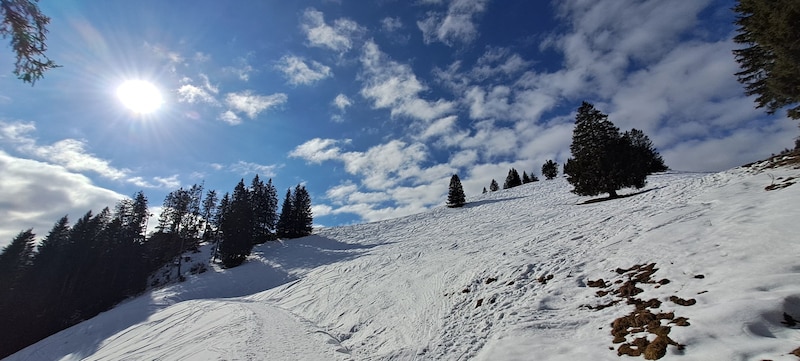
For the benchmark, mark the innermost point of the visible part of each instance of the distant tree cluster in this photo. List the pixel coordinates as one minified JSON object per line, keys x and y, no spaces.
{"x":81,"y":270}
{"x":604,"y":160}
{"x":550,"y":169}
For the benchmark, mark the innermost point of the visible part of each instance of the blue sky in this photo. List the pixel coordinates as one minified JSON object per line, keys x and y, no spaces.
{"x":373,"y":105}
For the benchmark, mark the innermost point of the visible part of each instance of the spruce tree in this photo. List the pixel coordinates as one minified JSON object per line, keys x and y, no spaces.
{"x":644,"y":153}
{"x":455,"y":195}
{"x":602,"y":160}
{"x":302,"y":219}
{"x":484,"y":190}
{"x":550,"y":169}
{"x":494,"y":186}
{"x":15,"y":259}
{"x":237,"y":228}
{"x":525,"y":178}
{"x":770,"y":61}
{"x":284,"y":226}
{"x":512,"y":180}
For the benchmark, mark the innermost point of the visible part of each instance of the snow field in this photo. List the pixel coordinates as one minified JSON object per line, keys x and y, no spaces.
{"x":504,"y":278}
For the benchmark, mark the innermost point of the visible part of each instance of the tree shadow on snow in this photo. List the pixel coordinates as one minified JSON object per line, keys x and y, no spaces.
{"x":598,"y":200}
{"x":488,"y":201}
{"x":311,"y":252}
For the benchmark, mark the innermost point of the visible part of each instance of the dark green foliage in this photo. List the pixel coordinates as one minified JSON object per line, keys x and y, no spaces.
{"x":264,"y":200}
{"x":550,"y":169}
{"x":15,"y":259}
{"x":237,"y":228}
{"x":770,"y":61}
{"x":455,"y":195}
{"x":494,"y":186}
{"x":25,"y":24}
{"x":525,"y":178}
{"x":512,"y":180}
{"x":285,"y":219}
{"x":303,"y":219}
{"x":604,"y":160}
{"x":484,"y":190}
{"x":295,"y":219}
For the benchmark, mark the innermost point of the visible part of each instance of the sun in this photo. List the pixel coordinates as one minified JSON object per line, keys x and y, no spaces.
{"x":140,"y":96}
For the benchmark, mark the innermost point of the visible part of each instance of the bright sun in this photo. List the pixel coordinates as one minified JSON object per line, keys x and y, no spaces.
{"x":140,"y":96}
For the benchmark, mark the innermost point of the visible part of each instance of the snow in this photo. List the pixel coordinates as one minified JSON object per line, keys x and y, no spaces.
{"x":409,"y":288}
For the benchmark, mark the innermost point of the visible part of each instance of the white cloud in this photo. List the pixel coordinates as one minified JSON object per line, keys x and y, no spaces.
{"x":342,"y":102}
{"x":337,"y":37}
{"x":298,"y":72}
{"x":230,"y":117}
{"x":390,"y":24}
{"x":245,"y":168}
{"x":393,"y":85}
{"x":192,"y":94}
{"x":455,"y":26}
{"x":35,"y":194}
{"x":241,"y":68}
{"x":170,"y":182}
{"x":252,"y":104}
{"x":318,"y":150}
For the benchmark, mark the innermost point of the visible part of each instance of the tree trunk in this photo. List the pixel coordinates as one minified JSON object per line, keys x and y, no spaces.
{"x":612,"y":194}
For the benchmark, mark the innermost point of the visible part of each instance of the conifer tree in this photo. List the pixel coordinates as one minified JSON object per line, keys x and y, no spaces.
{"x":603,"y":160}
{"x":525,"y":178}
{"x":302,"y":218}
{"x":285,"y":221}
{"x":512,"y":180}
{"x":770,"y":61}
{"x":237,"y":228}
{"x":484,"y":190}
{"x":494,"y":186}
{"x":15,"y":259}
{"x":455,"y":195}
{"x":550,"y":169}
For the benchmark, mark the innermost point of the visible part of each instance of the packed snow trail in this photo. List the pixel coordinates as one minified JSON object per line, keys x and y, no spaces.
{"x":504,"y":278}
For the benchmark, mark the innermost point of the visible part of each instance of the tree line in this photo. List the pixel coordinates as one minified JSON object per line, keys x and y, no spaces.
{"x":77,"y":271}
{"x":603,"y":160}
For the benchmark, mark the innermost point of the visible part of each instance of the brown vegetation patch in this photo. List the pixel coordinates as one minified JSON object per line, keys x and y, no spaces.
{"x":543,"y":279}
{"x":796,"y":352}
{"x":642,"y":319}
{"x":490,"y":280}
{"x":680,"y":301}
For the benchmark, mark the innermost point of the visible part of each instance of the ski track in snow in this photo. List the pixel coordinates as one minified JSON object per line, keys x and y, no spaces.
{"x":410,"y":288}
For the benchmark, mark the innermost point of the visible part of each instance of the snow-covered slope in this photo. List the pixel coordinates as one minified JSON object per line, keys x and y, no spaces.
{"x":505,"y":278}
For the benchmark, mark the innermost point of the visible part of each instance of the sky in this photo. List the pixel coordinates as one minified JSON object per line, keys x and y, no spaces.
{"x":371,"y":105}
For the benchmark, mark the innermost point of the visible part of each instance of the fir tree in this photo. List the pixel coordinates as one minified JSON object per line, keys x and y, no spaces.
{"x":494,"y":186}
{"x":512,"y":180}
{"x":15,"y":259}
{"x":237,"y":228}
{"x":770,"y":61}
{"x":525,"y":178}
{"x":603,"y":160}
{"x":644,"y":153}
{"x":550,"y":169}
{"x":484,"y":190}
{"x":455,"y":195}
{"x":302,"y":219}
{"x":285,"y":221}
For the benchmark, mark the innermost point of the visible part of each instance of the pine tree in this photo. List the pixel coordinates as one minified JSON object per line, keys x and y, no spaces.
{"x":525,"y":178}
{"x":512,"y":180}
{"x":285,"y":221}
{"x":644,"y":153}
{"x":15,"y":259}
{"x":494,"y":186}
{"x":237,"y":228}
{"x":550,"y":169}
{"x":604,"y":161}
{"x":484,"y":190}
{"x":302,"y":219}
{"x":770,"y":61}
{"x":455,"y":195}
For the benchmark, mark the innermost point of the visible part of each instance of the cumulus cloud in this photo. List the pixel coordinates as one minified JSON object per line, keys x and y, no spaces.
{"x":35,"y":194}
{"x":299,"y":72}
{"x":250,"y":104}
{"x":457,"y":25}
{"x":245,"y":168}
{"x":392,"y":85}
{"x":390,"y":24}
{"x":338,"y":37}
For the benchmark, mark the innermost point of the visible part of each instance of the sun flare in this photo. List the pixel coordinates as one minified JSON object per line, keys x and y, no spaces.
{"x":140,"y":96}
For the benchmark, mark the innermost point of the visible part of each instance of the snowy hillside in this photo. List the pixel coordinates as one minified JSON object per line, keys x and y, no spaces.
{"x":515,"y":275}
